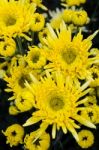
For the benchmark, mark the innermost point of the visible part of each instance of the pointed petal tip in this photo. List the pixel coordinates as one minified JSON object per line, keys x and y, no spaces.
{"x":91,"y":125}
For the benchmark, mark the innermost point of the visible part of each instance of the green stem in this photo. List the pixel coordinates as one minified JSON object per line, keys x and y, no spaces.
{"x":19,"y":43}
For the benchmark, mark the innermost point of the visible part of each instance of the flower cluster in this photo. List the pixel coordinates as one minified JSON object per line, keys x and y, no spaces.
{"x":72,"y":17}
{"x":51,"y":71}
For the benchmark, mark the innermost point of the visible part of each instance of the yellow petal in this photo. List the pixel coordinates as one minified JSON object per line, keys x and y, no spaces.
{"x":73,"y":131}
{"x":84,"y":121}
{"x":31,"y":121}
{"x":54,"y":131}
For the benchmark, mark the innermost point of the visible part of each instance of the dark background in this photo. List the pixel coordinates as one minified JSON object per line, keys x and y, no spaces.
{"x":62,"y":142}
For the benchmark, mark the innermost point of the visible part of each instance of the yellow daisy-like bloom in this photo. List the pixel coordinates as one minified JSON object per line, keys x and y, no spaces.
{"x":39,"y":4}
{"x":13,"y":110}
{"x":80,"y":18}
{"x":86,"y":138}
{"x":15,"y":17}
{"x":25,"y":102}
{"x":7,"y":47}
{"x":42,"y":143}
{"x":57,"y":104}
{"x":67,"y":15}
{"x":14,"y":134}
{"x":37,"y":22}
{"x":35,"y":58}
{"x":15,"y":81}
{"x":70,"y":56}
{"x":90,"y":114}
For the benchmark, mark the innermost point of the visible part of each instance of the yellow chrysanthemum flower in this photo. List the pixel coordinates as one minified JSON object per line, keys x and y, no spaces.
{"x":7,"y":47}
{"x":70,"y":56}
{"x":14,"y":134}
{"x":80,"y":18}
{"x":37,"y":22}
{"x":86,"y":138}
{"x":15,"y":17}
{"x":35,"y":58}
{"x":25,"y":102}
{"x":90,"y":114}
{"x":67,"y":15}
{"x":57,"y":104}
{"x":42,"y":143}
{"x":15,"y":81}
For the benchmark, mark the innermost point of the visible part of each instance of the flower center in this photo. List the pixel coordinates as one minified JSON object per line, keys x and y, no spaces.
{"x":56,"y":103}
{"x":85,"y":138}
{"x":6,"y":46}
{"x":69,"y":56}
{"x":37,"y":20}
{"x":14,"y":133}
{"x":10,"y":21}
{"x":35,"y":58}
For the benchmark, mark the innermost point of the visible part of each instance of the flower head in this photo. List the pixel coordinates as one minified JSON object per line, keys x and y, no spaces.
{"x":7,"y":47}
{"x":80,"y":18}
{"x":67,"y":15}
{"x":16,"y":80}
{"x":14,"y":134}
{"x":90,"y":114}
{"x":35,"y":58}
{"x":70,"y":56}
{"x":15,"y":17}
{"x":57,"y":103}
{"x":40,"y":144}
{"x":37,"y":22}
{"x":86,"y":138}
{"x":25,"y":102}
